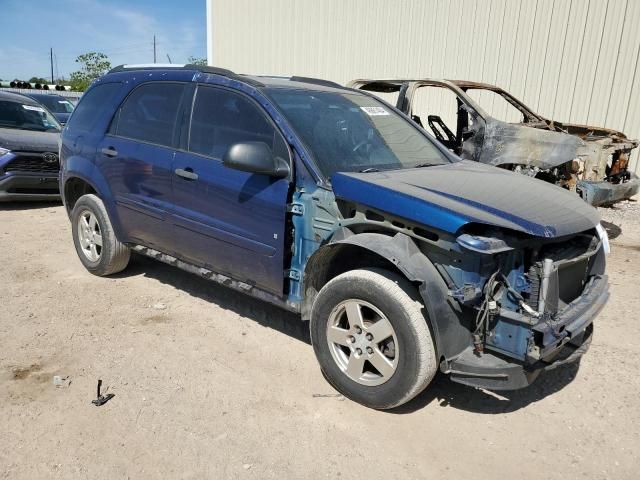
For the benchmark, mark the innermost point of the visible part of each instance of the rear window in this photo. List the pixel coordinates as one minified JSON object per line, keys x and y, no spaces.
{"x":56,"y":104}
{"x":149,"y":113}
{"x":91,"y":105}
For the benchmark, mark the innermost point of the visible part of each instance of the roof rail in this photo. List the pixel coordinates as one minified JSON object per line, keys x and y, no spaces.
{"x":316,"y":81}
{"x":199,"y":68}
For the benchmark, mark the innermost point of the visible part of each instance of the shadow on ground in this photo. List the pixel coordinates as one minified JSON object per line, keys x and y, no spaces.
{"x":612,"y":229}
{"x":264,"y":313}
{"x":450,"y":394}
{"x":16,"y":206}
{"x":443,"y":391}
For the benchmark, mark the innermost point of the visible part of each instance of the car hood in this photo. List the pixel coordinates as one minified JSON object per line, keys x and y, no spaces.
{"x":509,"y":143}
{"x":28,"y":141}
{"x":448,"y":197}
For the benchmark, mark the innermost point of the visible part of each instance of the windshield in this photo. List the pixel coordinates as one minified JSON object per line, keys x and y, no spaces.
{"x":349,"y":132}
{"x":56,"y":104}
{"x":26,"y":117}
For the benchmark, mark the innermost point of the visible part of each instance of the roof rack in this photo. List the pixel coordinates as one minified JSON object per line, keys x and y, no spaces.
{"x":316,"y":81}
{"x":177,"y":66}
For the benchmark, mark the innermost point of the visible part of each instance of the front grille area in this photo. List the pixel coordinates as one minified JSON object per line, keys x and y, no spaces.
{"x":33,"y":163}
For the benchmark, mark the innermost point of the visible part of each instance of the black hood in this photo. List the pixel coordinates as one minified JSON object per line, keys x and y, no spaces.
{"x":450,"y":196}
{"x":28,"y":140}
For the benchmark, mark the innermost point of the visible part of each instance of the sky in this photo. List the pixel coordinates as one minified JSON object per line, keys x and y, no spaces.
{"x":122,"y":29}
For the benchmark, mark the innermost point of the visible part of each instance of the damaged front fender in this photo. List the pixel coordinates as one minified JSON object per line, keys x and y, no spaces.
{"x":443,"y":313}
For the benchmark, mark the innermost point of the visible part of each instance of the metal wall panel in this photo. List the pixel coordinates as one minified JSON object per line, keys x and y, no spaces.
{"x":570,"y":60}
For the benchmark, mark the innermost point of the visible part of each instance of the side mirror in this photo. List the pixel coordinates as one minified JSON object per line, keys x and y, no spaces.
{"x":255,"y":157}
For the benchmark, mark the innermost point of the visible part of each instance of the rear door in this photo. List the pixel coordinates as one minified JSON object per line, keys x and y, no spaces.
{"x":230,"y":221}
{"x":136,"y":158}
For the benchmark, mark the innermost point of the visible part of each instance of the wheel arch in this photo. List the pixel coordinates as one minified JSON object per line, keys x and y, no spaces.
{"x":75,"y":185}
{"x":398,"y":253}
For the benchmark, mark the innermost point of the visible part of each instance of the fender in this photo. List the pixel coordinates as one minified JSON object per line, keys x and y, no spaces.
{"x":446,"y":317}
{"x":79,"y":167}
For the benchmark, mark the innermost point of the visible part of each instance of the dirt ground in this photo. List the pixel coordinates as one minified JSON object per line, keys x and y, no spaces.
{"x":211,"y":384}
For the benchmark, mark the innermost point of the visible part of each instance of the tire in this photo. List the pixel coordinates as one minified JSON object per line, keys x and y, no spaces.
{"x":90,"y":226}
{"x":392,"y":374}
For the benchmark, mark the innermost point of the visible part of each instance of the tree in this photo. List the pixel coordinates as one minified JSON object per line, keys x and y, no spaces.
{"x":37,"y":80}
{"x":197,"y":61}
{"x":92,"y":66}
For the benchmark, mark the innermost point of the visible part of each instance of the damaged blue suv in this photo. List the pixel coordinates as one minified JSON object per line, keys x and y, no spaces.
{"x":329,"y":202}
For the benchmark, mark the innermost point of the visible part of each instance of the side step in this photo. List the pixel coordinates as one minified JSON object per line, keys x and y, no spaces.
{"x":218,"y":278}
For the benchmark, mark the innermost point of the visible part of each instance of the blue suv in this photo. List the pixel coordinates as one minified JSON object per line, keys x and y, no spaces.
{"x":329,"y":202}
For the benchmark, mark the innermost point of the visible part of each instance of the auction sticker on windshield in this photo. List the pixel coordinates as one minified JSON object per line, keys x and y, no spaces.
{"x":374,"y":111}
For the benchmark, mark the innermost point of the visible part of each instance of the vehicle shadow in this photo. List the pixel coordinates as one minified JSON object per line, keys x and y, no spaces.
{"x":450,"y":394}
{"x":443,"y":391}
{"x":612,"y":229}
{"x":264,"y":313}
{"x":16,"y":206}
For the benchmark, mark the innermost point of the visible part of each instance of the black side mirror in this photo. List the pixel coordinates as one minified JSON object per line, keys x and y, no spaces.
{"x":255,"y":157}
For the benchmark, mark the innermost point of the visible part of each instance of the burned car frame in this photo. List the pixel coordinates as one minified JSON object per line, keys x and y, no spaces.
{"x":590,"y":161}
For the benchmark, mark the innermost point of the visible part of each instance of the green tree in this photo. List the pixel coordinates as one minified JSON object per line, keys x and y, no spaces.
{"x":37,"y":80}
{"x":197,"y":61}
{"x":92,"y":66}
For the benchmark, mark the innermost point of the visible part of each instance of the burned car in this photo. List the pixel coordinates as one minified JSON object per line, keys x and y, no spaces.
{"x":484,"y":123}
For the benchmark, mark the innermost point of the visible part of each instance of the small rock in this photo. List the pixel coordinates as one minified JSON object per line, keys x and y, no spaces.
{"x":247,"y":466}
{"x":160,"y":306}
{"x":61,"y":381}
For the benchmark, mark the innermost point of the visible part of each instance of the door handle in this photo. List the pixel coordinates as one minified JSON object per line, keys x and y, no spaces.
{"x":186,"y":173}
{"x":109,"y":152}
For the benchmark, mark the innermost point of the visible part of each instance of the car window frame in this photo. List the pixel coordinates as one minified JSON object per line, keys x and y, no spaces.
{"x":98,"y":120}
{"x":177,"y":128}
{"x":261,"y":110}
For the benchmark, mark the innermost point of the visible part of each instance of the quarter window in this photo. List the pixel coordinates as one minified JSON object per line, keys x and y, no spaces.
{"x":149,"y":114}
{"x":222,"y":118}
{"x":91,"y":105}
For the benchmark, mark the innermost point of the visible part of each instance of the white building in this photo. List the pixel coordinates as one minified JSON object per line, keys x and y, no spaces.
{"x":569,"y":60}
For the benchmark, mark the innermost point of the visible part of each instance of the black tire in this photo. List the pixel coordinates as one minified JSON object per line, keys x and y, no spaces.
{"x":113,"y":255}
{"x":398,"y":301}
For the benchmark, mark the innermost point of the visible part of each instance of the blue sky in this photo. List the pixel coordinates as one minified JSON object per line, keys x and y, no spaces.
{"x":123,"y":29}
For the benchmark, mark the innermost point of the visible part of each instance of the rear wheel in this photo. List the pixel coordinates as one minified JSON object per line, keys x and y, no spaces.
{"x":96,"y":244}
{"x":371,"y":338}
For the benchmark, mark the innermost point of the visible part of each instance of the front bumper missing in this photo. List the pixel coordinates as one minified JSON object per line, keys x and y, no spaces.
{"x":605,"y":193}
{"x":496,"y":372}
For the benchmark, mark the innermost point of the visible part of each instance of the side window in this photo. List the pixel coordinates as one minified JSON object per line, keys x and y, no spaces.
{"x":496,"y":105}
{"x":434,"y":100}
{"x":91,"y":105}
{"x":221,"y":118}
{"x":149,"y":113}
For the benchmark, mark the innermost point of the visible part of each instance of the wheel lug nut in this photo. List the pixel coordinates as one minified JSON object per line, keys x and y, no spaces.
{"x":358,"y":351}
{"x":369,"y":350}
{"x":351,"y":339}
{"x":369,"y":337}
{"x":358,"y":329}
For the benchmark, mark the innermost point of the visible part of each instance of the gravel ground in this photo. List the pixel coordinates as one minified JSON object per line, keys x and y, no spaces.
{"x":211,"y":384}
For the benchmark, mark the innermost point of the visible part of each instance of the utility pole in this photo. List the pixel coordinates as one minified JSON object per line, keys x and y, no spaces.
{"x":154,"y":49}
{"x":51,"y":55}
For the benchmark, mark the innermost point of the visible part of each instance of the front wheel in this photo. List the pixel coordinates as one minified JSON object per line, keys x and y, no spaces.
{"x":96,"y":244}
{"x":372,"y":339}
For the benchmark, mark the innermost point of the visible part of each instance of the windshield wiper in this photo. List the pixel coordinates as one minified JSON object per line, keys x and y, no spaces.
{"x":420,"y":165}
{"x":369,"y":170}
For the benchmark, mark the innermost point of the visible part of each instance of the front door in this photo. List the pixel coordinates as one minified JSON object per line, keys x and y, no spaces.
{"x":230,"y":221}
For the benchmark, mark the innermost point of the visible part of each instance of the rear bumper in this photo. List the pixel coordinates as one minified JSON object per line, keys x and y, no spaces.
{"x":574,"y":331}
{"x":605,"y":193}
{"x":29,"y":187}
